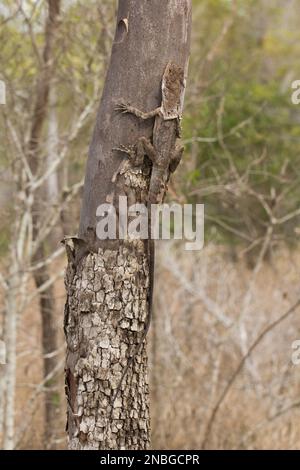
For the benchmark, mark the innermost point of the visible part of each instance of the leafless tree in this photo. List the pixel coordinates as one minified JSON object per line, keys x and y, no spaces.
{"x":38,"y":202}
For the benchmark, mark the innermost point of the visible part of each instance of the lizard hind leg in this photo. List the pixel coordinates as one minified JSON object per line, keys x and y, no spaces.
{"x":144,"y":147}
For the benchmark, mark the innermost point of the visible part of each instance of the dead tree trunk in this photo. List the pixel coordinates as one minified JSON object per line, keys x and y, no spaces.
{"x":11,"y":319}
{"x":107,"y":282}
{"x":41,"y":275}
{"x":49,"y":348}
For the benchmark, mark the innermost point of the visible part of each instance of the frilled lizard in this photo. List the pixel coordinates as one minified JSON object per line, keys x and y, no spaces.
{"x":165,"y":154}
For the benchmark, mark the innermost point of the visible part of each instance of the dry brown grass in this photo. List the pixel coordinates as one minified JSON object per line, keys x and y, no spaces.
{"x":193,"y":354}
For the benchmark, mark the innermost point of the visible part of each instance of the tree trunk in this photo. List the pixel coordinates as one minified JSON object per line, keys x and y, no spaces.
{"x":41,"y":275}
{"x":108,"y":282}
{"x":49,"y":348}
{"x":11,"y":318}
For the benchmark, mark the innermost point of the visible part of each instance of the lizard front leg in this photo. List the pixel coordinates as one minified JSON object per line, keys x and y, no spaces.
{"x":137,"y":152}
{"x":125,"y":108}
{"x":176,"y":157}
{"x":133,"y":153}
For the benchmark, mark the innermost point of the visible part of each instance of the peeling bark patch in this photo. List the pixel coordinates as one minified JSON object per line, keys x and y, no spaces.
{"x":105,"y":318}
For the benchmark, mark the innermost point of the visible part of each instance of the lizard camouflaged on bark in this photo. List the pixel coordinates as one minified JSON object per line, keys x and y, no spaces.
{"x":164,"y":153}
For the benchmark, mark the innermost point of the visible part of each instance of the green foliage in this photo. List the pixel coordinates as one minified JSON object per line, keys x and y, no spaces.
{"x":55,"y":398}
{"x":241,"y":130}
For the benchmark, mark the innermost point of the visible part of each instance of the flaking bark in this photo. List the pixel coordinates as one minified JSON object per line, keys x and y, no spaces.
{"x":105,"y":315}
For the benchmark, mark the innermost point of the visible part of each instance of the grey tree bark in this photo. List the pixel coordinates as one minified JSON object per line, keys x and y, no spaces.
{"x":107,"y":282}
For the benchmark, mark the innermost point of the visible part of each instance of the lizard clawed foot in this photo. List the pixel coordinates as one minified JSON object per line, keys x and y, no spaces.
{"x":128,"y":150}
{"x":122,"y":107}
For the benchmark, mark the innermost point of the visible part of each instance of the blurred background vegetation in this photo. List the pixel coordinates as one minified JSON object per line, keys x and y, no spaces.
{"x":241,"y":134}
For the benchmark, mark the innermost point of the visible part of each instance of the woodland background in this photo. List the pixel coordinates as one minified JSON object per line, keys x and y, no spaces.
{"x":242,"y":160}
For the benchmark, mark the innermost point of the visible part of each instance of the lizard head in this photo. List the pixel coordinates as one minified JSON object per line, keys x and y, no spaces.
{"x":173,"y":87}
